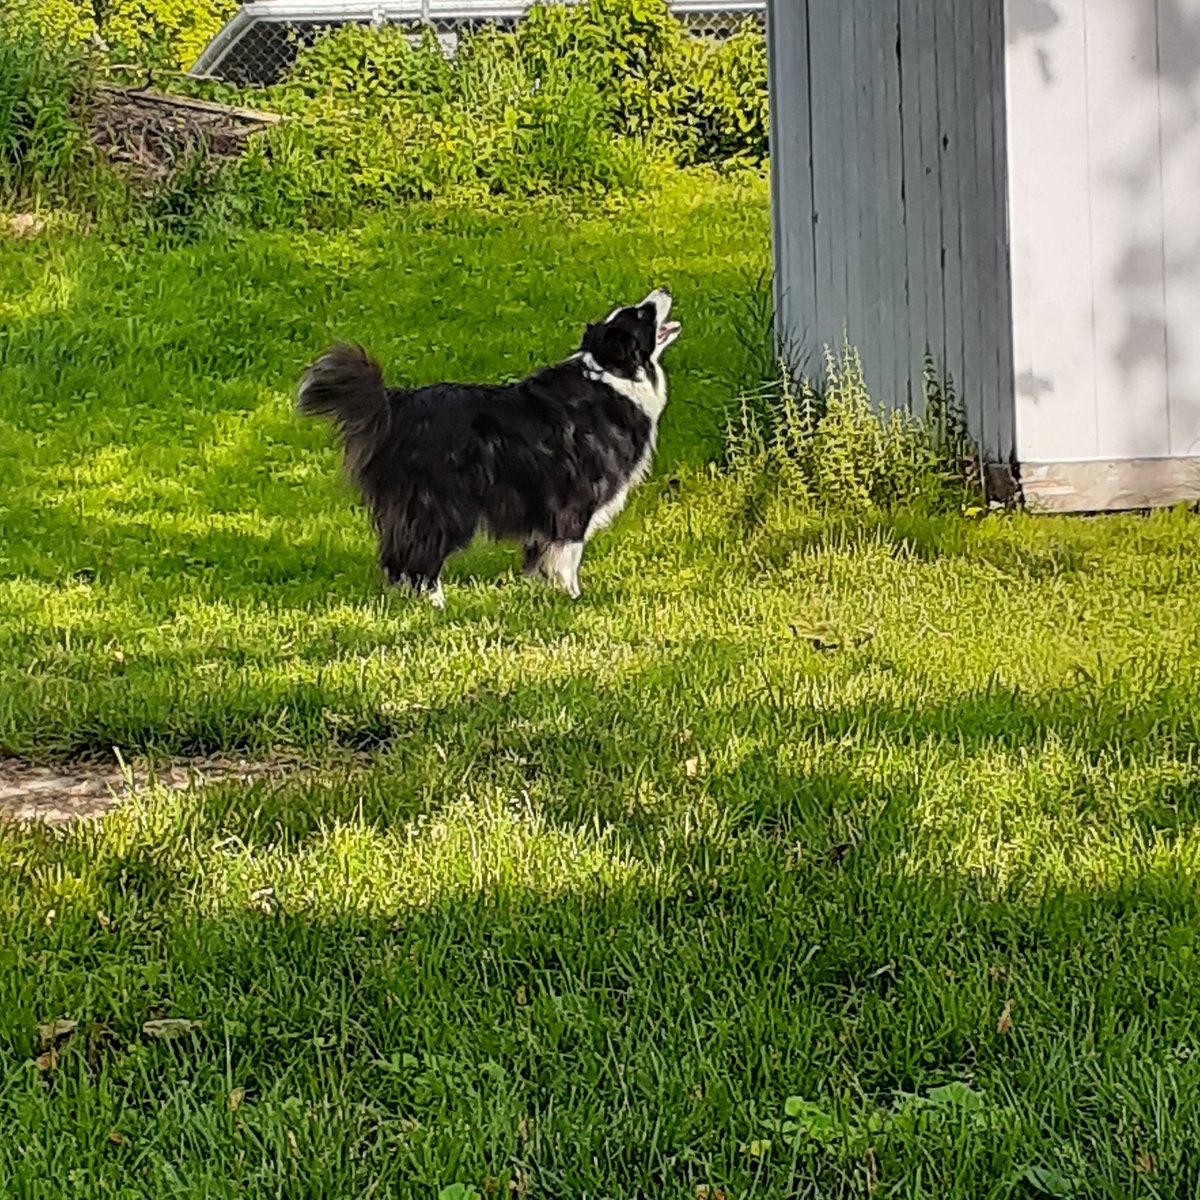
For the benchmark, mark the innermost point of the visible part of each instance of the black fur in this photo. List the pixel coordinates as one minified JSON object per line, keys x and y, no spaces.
{"x":531,"y":461}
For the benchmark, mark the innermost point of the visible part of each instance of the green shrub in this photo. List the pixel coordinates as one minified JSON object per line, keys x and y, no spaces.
{"x":699,"y":99}
{"x":828,"y":449}
{"x":577,"y":99}
{"x":376,"y":119}
{"x":368,"y":70}
{"x":634,"y":50}
{"x":581,"y":99}
{"x":724,"y":110}
{"x":151,"y":33}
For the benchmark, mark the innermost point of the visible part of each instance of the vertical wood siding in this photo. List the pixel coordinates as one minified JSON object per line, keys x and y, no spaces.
{"x":1014,"y":184}
{"x":1178,"y":37}
{"x":888,"y":150}
{"x":793,"y":183}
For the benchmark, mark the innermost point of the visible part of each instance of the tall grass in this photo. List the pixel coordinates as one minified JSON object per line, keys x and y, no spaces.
{"x":44,"y":90}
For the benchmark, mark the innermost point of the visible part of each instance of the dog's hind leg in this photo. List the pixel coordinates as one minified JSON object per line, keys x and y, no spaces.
{"x":418,"y":568}
{"x":421,"y":582}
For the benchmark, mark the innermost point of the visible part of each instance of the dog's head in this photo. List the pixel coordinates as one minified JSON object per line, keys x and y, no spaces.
{"x":630,"y":341}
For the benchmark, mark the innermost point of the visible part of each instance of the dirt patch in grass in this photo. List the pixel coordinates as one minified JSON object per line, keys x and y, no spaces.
{"x":57,"y":794}
{"x":22,"y":224}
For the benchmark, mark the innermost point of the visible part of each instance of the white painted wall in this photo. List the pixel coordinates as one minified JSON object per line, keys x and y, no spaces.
{"x":1103,"y":101}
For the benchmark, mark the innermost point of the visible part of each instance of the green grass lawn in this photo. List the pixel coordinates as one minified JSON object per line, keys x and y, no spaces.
{"x":717,"y":882}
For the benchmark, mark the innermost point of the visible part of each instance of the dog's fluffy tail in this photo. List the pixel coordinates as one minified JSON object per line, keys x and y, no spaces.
{"x":346,"y":385}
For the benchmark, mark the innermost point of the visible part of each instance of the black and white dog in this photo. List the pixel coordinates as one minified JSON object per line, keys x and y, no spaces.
{"x":547,"y":461}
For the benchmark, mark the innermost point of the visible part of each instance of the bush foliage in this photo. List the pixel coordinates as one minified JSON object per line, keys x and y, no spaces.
{"x":582,"y":99}
{"x":579,"y":99}
{"x":151,"y":33}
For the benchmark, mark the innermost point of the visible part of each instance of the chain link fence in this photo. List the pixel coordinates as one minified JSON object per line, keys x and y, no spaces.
{"x":263,"y":38}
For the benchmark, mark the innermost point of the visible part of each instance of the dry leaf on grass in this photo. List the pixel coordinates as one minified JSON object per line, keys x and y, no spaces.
{"x":1145,"y":1164}
{"x":56,"y":1030}
{"x":117,"y":1138}
{"x":46,"y":1062}
{"x":1005,"y":1022}
{"x":24,"y":224}
{"x":170,"y":1027}
{"x":235,"y":1099}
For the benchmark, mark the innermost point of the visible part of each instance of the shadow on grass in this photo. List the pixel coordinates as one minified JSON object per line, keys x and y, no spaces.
{"x":633,"y":918}
{"x":640,"y":753}
{"x":620,"y":1024}
{"x":590,"y":936}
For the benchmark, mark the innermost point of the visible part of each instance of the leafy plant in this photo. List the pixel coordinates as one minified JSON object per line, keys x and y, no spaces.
{"x":809,"y":1129}
{"x":723,"y":108}
{"x":577,"y":99}
{"x":1049,"y":1181}
{"x":368,"y":70}
{"x":150,"y":33}
{"x":831,"y":450}
{"x":635,"y":49}
{"x":459,"y":1191}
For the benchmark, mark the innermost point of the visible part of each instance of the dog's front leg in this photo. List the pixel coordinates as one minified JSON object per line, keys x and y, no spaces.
{"x":533,"y":559}
{"x":560,"y":562}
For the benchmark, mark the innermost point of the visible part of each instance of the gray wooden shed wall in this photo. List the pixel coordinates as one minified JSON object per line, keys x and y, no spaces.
{"x":887,"y":136}
{"x":1016,"y":184}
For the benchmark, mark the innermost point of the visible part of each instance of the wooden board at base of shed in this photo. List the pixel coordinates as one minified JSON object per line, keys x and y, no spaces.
{"x":1112,"y":485}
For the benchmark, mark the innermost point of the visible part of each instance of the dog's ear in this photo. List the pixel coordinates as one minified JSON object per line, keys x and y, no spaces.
{"x":615,"y":349}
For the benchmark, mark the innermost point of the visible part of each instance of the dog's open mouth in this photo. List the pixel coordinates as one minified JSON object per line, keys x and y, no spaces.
{"x":667,"y":331}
